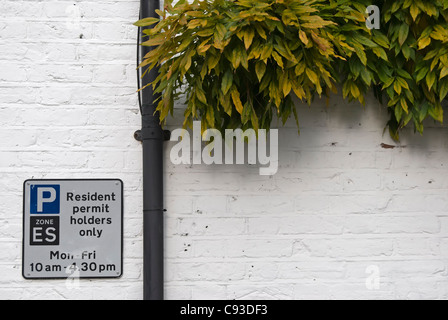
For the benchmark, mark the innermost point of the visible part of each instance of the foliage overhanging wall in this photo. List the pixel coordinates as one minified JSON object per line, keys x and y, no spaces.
{"x":238,"y":62}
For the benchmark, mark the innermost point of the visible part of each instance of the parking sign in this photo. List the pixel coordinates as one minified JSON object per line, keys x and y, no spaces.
{"x":72,"y":228}
{"x":44,"y":199}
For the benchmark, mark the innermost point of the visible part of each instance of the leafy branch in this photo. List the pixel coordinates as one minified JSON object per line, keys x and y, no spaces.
{"x":239,"y":62}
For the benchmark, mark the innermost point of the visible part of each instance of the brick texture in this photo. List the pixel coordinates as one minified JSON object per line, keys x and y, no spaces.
{"x":339,"y":204}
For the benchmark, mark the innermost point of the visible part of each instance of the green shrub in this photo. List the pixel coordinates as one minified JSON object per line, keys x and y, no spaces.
{"x":415,"y":78}
{"x":238,"y":63}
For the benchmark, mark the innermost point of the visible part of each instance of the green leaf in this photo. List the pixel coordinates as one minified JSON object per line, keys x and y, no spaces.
{"x":361,"y":55}
{"x":424,"y":111}
{"x":146,"y":22}
{"x":260,"y":31}
{"x":224,"y":100}
{"x":380,"y":53}
{"x":404,"y":74}
{"x":403,"y":83}
{"x":185,"y":44}
{"x":436,"y":112}
{"x":388,"y":83}
{"x":246,"y":114}
{"x":248,"y":55}
{"x":212,"y":61}
{"x":403,"y":33}
{"x":254,"y":119}
{"x":227,"y":82}
{"x":404,"y":105}
{"x":210,"y":116}
{"x":260,"y":69}
{"x":381,"y":39}
{"x":398,"y":112}
{"x":443,"y":90}
{"x":430,"y":79}
{"x":397,"y":87}
{"x":421,"y":74}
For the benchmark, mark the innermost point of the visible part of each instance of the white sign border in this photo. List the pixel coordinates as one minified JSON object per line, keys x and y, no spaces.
{"x":69,"y":275}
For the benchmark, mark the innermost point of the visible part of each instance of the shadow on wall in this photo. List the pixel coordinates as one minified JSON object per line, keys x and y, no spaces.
{"x":331,"y":125}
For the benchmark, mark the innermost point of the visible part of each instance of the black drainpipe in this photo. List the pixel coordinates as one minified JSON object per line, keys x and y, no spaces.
{"x":152,"y":137}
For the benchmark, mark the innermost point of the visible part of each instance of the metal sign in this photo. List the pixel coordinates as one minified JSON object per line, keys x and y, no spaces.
{"x":72,"y":228}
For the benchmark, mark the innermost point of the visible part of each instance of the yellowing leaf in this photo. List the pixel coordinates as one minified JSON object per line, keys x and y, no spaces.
{"x":286,"y":87}
{"x":444,"y":73}
{"x":155,"y":41}
{"x":220,"y":31}
{"x":248,"y":37}
{"x":260,"y":69}
{"x":355,"y":91}
{"x":278,"y":58}
{"x":314,"y":22}
{"x":312,"y":76}
{"x":147,"y":22}
{"x":397,"y":87}
{"x":236,"y":99}
{"x":196,"y":14}
{"x":403,"y":83}
{"x":323,"y":44}
{"x":298,"y":91}
{"x":212,"y":61}
{"x":404,"y":105}
{"x":414,"y":11}
{"x":194,"y":24}
{"x":206,"y":32}
{"x":444,"y":60}
{"x":235,"y":58}
{"x":423,"y":43}
{"x":203,"y":47}
{"x":261,"y":31}
{"x":439,"y":33}
{"x":201,"y":96}
{"x":303,"y":37}
{"x":300,"y":69}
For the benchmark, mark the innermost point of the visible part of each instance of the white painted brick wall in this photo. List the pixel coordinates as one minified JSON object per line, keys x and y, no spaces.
{"x":338,"y":204}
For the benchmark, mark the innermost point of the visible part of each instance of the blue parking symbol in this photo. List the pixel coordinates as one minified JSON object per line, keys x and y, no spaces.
{"x":45,"y":199}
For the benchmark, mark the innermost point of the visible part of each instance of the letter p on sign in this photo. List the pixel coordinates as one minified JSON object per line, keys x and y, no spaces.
{"x":45,"y":199}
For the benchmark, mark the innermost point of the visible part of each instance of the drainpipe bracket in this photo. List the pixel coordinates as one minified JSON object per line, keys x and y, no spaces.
{"x":138,"y":135}
{"x":166,"y":135}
